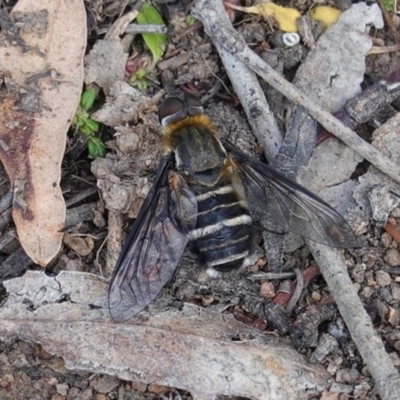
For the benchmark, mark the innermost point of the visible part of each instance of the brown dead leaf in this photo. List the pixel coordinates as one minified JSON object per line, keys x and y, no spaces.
{"x":77,"y":244}
{"x":42,"y":71}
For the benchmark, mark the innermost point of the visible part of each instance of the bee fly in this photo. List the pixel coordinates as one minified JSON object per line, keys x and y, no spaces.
{"x":209,"y":193}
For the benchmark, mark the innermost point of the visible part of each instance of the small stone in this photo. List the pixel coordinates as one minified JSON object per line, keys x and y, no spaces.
{"x":74,"y":265}
{"x":395,"y":290}
{"x":383,"y":278}
{"x":316,"y":296}
{"x":397,"y":345}
{"x":395,"y":213}
{"x":393,"y":257}
{"x":104,"y":384}
{"x":158,"y":389}
{"x":347,"y":375}
{"x":74,"y":393}
{"x":393,"y":316}
{"x":62,"y":389}
{"x":140,"y":387}
{"x":358,"y":272}
{"x":369,"y":276}
{"x":100,"y":396}
{"x":98,"y":219}
{"x":52,"y":381}
{"x":57,"y":397}
{"x":394,"y":357}
{"x":334,"y":365}
{"x":20,"y":362}
{"x":341,"y":388}
{"x":386,"y":240}
{"x":329,"y":396}
{"x":356,"y":287}
{"x":327,"y":344}
{"x":87,"y":394}
{"x":267,"y":290}
{"x":367,"y":292}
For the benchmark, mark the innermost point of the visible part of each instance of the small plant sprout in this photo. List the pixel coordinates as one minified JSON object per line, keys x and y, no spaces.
{"x":87,"y":126}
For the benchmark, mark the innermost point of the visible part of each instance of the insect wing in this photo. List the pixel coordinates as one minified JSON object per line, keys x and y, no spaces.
{"x":293,"y":207}
{"x":155,"y":244}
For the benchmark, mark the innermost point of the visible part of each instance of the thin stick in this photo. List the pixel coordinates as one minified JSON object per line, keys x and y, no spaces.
{"x":136,"y":28}
{"x":255,"y":104}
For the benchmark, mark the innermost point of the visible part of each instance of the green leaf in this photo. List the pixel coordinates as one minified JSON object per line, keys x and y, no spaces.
{"x":148,"y":15}
{"x":388,"y":5}
{"x":87,"y":99}
{"x":93,"y":125}
{"x":96,"y":147}
{"x":85,"y":130}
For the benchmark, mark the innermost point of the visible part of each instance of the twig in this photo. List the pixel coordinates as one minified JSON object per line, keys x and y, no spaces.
{"x":369,"y":344}
{"x":331,"y":262}
{"x":120,"y":25}
{"x":255,"y":104}
{"x":228,"y":38}
{"x":136,"y":29}
{"x":297,"y":291}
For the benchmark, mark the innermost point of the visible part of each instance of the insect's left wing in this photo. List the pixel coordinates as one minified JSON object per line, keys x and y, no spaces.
{"x":155,"y":244}
{"x":293,"y":207}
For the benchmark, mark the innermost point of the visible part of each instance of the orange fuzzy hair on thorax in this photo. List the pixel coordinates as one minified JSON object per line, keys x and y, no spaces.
{"x":201,"y":120}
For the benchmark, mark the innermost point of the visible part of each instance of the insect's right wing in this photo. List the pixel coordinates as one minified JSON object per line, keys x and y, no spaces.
{"x":293,"y":207}
{"x":155,"y":244}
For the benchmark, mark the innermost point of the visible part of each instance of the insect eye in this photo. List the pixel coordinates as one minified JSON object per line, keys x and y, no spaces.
{"x":192,"y":100}
{"x":194,"y":104}
{"x":169,"y":108}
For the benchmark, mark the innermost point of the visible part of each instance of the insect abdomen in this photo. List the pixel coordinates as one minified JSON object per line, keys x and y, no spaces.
{"x":222,"y":237}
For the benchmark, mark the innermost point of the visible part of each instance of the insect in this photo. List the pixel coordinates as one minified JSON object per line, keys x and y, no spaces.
{"x":209,"y":194}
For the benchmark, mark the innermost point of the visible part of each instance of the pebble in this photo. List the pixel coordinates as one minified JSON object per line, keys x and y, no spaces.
{"x":347,"y":375}
{"x":382,"y":278}
{"x":392,"y":257}
{"x":57,"y":397}
{"x":104,"y":384}
{"x":316,"y":296}
{"x":367,"y":292}
{"x":341,"y":388}
{"x":62,"y":389}
{"x":267,"y":290}
{"x":327,"y":344}
{"x":395,"y":288}
{"x":386,"y":240}
{"x":358,"y":273}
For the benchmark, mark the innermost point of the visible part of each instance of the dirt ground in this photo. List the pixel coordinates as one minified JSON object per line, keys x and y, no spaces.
{"x":191,"y":64}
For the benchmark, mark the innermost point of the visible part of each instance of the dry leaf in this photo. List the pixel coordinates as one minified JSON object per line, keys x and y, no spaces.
{"x":194,"y":349}
{"x":105,"y":64}
{"x":77,"y":244}
{"x":42,"y":70}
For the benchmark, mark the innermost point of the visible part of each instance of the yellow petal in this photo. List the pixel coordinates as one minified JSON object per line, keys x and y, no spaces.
{"x":326,"y":14}
{"x":284,"y":17}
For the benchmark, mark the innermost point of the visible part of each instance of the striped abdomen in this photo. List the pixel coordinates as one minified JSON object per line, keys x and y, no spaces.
{"x":222,"y":237}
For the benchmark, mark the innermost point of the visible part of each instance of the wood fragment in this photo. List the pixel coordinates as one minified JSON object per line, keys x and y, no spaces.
{"x":136,"y":29}
{"x":79,"y":214}
{"x":81,"y":196}
{"x":14,"y":265}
